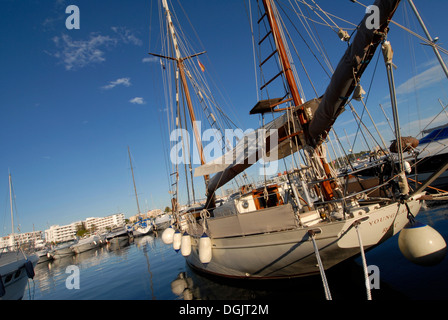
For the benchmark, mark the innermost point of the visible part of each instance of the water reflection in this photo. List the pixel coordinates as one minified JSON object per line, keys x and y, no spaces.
{"x":146,"y":268}
{"x":346,"y":281}
{"x":146,"y":244}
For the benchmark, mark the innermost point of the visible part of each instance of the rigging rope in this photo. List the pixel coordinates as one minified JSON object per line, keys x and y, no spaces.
{"x":321,"y":267}
{"x":364,"y":263}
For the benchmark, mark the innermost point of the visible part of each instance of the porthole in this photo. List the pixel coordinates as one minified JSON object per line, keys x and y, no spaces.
{"x":8,"y":278}
{"x":17,"y":274}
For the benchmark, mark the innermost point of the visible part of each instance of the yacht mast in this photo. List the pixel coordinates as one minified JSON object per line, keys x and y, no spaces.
{"x":10,"y":201}
{"x":286,"y":66}
{"x":327,"y":189}
{"x":181,"y":67}
{"x":135,"y":189}
{"x":431,"y":40}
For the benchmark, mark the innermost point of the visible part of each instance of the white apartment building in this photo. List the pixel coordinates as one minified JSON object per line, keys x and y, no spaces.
{"x":68,"y":232}
{"x":20,"y":238}
{"x":101,"y":224}
{"x":58,"y":233}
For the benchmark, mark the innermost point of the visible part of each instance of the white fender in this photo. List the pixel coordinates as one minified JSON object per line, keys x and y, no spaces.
{"x":407,"y":167}
{"x":167,"y":235}
{"x":205,"y":248}
{"x":176,"y":240}
{"x":186,"y":245}
{"x":421,"y":244}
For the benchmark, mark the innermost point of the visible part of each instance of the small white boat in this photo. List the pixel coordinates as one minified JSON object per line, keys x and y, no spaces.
{"x":86,"y":244}
{"x":42,"y":251}
{"x":62,"y":250}
{"x":142,"y":228}
{"x":44,"y":255}
{"x":162,"y":221}
{"x":119,"y":232}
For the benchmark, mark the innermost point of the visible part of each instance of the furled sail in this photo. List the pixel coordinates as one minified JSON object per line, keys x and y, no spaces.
{"x":282,"y":138}
{"x":268,"y":143}
{"x":351,"y":66}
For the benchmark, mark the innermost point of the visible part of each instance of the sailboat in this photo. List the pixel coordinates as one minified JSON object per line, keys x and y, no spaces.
{"x":16,"y":267}
{"x":143,"y":226}
{"x":309,"y":218}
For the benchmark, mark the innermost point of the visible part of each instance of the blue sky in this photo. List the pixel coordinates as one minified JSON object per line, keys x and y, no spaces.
{"x":71,"y":101}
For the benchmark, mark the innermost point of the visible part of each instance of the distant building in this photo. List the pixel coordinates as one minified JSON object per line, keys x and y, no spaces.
{"x":20,"y":238}
{"x":150,"y":214}
{"x":58,"y":233}
{"x":64,"y":233}
{"x":102,"y":224}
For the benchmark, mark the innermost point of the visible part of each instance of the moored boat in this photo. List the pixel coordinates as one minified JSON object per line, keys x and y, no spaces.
{"x":62,"y":250}
{"x":16,"y":267}
{"x":117,"y":233}
{"x":15,"y":270}
{"x":162,"y":221}
{"x":315,"y":218}
{"x":142,"y":228}
{"x":86,"y":244}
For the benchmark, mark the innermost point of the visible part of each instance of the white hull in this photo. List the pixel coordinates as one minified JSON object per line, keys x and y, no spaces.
{"x":61,"y":253}
{"x":44,"y":255}
{"x":86,"y":244}
{"x":120,"y":232}
{"x":139,"y":232}
{"x":13,"y":273}
{"x":162,"y":222}
{"x":290,"y":253}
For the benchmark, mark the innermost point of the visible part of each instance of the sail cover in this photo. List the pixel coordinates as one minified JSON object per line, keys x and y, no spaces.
{"x":283,"y":136}
{"x":264,"y":143}
{"x":269,"y":144}
{"x":351,"y":67}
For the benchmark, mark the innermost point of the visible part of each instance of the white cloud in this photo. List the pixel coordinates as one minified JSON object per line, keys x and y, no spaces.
{"x":122,"y":81}
{"x":150,"y":59}
{"x":137,"y":100}
{"x":75,"y":54}
{"x":421,"y":80}
{"x":126,"y":35}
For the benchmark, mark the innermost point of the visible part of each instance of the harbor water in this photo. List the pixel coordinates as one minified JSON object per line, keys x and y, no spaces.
{"x":147,"y":269}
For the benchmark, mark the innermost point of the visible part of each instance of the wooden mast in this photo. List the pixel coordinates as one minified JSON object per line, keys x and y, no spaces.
{"x":286,"y":66}
{"x":180,"y":65}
